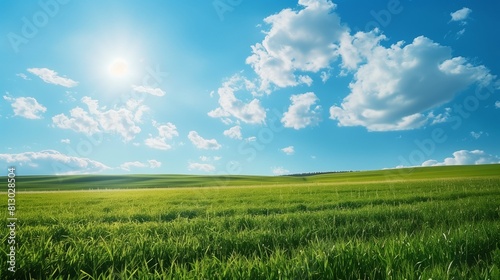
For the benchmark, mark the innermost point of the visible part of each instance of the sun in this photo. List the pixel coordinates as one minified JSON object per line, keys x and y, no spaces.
{"x":118,"y":67}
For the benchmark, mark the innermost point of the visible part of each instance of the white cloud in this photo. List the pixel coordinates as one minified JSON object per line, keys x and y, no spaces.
{"x":461,"y":15}
{"x":305,"y":80}
{"x":154,"y":163}
{"x":122,"y":121}
{"x":497,"y":104}
{"x":251,"y":139}
{"x":79,"y":121}
{"x":150,"y":90}
{"x":127,"y":166}
{"x":230,"y":106}
{"x":279,"y":171}
{"x":23,"y":76}
{"x":396,"y":85}
{"x":300,"y":114}
{"x":202,"y":143}
{"x":204,"y":158}
{"x":68,"y":97}
{"x":65,"y":141}
{"x":290,"y":150}
{"x":460,"y":32}
{"x":165,"y":132}
{"x":51,"y":77}
{"x":52,"y":162}
{"x":440,"y":118}
{"x":157,"y":143}
{"x":394,"y":88}
{"x":325,"y":76}
{"x":132,"y":164}
{"x":26,"y":107}
{"x":205,"y":167}
{"x":297,"y":41}
{"x":465,"y":157}
{"x":210,"y":159}
{"x":233,"y":132}
{"x":354,"y":49}
{"x":476,"y":135}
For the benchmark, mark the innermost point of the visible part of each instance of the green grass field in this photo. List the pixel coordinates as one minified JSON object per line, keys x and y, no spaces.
{"x":421,"y":223}
{"x":97,"y":182}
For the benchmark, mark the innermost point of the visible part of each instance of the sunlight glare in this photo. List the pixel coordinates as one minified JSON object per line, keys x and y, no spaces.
{"x":118,"y":68}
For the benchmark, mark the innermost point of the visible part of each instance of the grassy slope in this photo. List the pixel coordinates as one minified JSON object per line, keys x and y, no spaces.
{"x":439,"y":223}
{"x":85,"y":182}
{"x":425,"y":227}
{"x":419,"y":173}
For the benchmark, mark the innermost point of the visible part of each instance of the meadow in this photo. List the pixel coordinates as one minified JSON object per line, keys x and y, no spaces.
{"x":422,"y":223}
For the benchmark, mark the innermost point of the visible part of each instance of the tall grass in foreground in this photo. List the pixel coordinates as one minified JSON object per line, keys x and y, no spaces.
{"x":447,"y":229}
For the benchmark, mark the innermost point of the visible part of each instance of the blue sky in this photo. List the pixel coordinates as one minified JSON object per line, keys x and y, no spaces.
{"x":247,"y":87}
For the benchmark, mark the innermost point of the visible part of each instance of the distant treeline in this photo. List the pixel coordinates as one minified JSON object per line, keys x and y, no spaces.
{"x":317,"y":173}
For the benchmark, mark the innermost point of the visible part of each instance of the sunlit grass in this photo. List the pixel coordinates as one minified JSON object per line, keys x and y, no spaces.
{"x":446,"y":228}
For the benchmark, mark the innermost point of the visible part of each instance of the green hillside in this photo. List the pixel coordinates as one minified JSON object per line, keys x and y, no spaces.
{"x":422,"y":223}
{"x":86,"y":182}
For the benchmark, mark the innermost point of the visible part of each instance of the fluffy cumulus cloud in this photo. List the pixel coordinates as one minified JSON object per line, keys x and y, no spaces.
{"x":234,"y":132}
{"x":127,"y":166}
{"x":122,"y":120}
{"x":497,"y":104}
{"x":52,"y":162}
{"x":149,"y":90}
{"x":202,"y":143}
{"x":51,"y":77}
{"x":461,"y":15}
{"x":165,"y":132}
{"x":302,"y":112}
{"x":79,"y":121}
{"x":231,"y":107}
{"x":205,"y":167}
{"x":297,"y":42}
{"x":290,"y":150}
{"x":394,"y":88}
{"x":26,"y":107}
{"x":465,"y":157}
{"x":355,"y":49}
